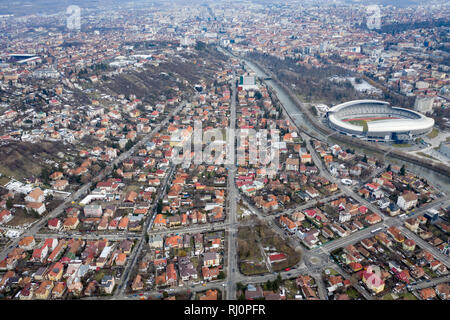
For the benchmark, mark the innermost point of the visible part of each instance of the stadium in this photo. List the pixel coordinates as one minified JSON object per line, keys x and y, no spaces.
{"x":375,"y":120}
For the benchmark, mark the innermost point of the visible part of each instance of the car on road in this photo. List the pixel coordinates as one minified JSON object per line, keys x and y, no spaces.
{"x":287,"y":269}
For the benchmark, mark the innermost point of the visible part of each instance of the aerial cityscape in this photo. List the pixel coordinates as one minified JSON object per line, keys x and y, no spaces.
{"x":224,"y":150}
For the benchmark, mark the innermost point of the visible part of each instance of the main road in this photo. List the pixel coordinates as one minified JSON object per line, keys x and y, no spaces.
{"x":232,"y":196}
{"x":147,"y":225}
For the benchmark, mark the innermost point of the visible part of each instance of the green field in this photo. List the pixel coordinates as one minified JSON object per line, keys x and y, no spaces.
{"x":401,"y":145}
{"x":402,"y":296}
{"x":426,"y":155}
{"x":433,"y":134}
{"x":4,"y":180}
{"x":357,"y":122}
{"x":360,"y":122}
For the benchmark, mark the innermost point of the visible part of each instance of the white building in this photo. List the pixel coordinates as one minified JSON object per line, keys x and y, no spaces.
{"x":407,"y":200}
{"x":424,"y":104}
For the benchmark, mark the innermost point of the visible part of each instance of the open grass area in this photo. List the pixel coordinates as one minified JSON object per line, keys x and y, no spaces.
{"x":250,"y":242}
{"x":387,"y":297}
{"x":20,"y":220}
{"x":408,"y":296}
{"x":357,"y":122}
{"x":249,"y":269}
{"x":316,"y":100}
{"x":401,"y":145}
{"x":332,"y":272}
{"x":433,"y":134}
{"x":134,"y":188}
{"x":24,"y":159}
{"x":353,"y":293}
{"x":291,"y":289}
{"x":402,"y":296}
{"x":4,"y":181}
{"x":21,"y":217}
{"x":426,"y":155}
{"x":250,"y":257}
{"x":99,"y":276}
{"x":241,"y":210}
{"x":430,"y":272}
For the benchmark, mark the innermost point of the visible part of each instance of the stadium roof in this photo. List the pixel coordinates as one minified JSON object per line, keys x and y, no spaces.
{"x":419,"y":122}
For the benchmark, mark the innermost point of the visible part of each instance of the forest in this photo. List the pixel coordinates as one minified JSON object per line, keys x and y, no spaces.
{"x":311,"y":83}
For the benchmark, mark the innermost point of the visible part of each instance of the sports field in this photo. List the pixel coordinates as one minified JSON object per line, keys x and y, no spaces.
{"x":360,"y":121}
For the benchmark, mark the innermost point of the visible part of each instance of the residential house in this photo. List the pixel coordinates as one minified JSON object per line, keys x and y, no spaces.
{"x":407,"y":200}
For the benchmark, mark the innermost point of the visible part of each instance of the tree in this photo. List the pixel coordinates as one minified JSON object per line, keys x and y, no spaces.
{"x":394,"y":198}
{"x":388,"y":168}
{"x":273,"y":285}
{"x":159,"y":207}
{"x":200,"y":45}
{"x":279,"y":279}
{"x":221,"y":275}
{"x":85,"y":178}
{"x":268,"y":285}
{"x":9,"y":203}
{"x":96,"y":168}
{"x":403,"y":170}
{"x":45,"y":174}
{"x":34,"y":213}
{"x":128,"y":145}
{"x":240,"y":286}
